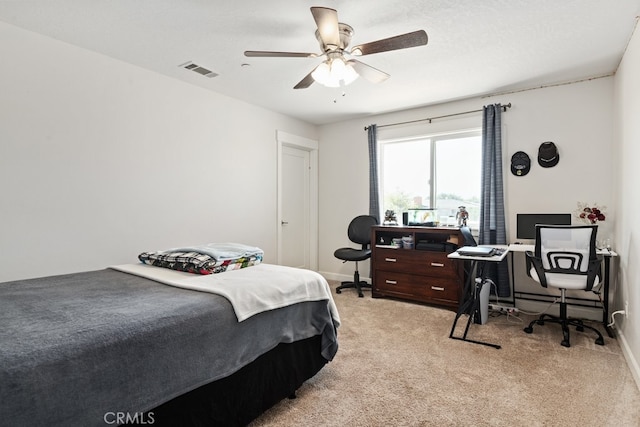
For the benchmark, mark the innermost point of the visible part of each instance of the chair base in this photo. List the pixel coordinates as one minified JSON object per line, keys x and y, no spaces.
{"x":565,"y":323}
{"x":358,"y":285}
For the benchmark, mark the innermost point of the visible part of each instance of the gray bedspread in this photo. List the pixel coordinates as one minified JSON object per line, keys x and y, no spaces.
{"x":76,"y":347}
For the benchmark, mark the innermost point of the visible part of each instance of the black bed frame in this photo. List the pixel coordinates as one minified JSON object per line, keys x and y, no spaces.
{"x":241,"y":397}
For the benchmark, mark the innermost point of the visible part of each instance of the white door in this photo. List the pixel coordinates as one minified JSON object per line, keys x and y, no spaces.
{"x":294,"y":221}
{"x":297,"y":201}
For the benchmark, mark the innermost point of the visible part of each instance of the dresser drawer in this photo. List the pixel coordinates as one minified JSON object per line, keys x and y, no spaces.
{"x":397,"y":284}
{"x":416,"y":287}
{"x":442,"y":290}
{"x":434,"y":264}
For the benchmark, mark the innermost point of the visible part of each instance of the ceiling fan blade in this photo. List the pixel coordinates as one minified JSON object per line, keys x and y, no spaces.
{"x":268,"y":54}
{"x":306,"y":82}
{"x":403,"y":41}
{"x":327,"y":22}
{"x":368,"y":72}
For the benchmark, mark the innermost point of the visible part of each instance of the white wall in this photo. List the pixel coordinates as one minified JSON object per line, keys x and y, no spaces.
{"x":101,"y":160}
{"x":577,"y":117}
{"x":627,"y":236}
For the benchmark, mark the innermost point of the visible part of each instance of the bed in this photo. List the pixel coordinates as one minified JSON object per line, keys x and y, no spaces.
{"x":111,"y":346}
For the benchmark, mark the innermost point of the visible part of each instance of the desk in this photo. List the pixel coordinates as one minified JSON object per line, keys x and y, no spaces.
{"x":607,"y":255}
{"x":470,"y":300}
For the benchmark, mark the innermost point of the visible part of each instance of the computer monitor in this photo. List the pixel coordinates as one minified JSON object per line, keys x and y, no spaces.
{"x":526,"y":223}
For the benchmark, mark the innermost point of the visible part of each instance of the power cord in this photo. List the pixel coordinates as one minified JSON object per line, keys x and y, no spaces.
{"x":613,"y":319}
{"x":511,"y":316}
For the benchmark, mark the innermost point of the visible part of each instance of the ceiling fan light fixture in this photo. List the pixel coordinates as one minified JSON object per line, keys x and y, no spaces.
{"x":322,"y":73}
{"x":350,"y":74}
{"x":334,"y":71}
{"x":337,"y":68}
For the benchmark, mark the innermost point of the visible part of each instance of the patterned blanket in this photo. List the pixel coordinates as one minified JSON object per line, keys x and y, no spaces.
{"x":203,"y":259}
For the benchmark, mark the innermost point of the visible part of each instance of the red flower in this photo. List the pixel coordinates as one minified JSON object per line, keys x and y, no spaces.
{"x":588,"y":214}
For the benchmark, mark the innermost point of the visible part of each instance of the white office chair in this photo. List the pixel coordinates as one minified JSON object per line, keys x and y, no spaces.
{"x":565,"y":258}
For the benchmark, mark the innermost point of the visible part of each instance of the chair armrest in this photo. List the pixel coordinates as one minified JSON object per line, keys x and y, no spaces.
{"x":536,"y":262}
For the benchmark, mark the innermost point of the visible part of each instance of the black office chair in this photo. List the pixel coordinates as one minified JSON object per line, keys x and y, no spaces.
{"x":359,"y":231}
{"x":565,"y":258}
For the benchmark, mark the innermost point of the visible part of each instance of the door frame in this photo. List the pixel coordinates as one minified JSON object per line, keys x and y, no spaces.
{"x":286,"y":139}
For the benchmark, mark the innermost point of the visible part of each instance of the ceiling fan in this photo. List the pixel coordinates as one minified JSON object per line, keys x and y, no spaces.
{"x":334,"y":37}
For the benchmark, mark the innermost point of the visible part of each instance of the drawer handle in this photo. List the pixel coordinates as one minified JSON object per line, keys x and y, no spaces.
{"x":390,"y":259}
{"x":391,"y":282}
{"x":437,"y":264}
{"x":437,"y":288}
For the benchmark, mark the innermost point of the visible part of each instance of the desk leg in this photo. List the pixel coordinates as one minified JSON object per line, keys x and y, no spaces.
{"x":469,"y":306}
{"x":605,"y":301}
{"x":512,"y":284}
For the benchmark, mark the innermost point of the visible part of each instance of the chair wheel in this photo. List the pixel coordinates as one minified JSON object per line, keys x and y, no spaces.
{"x":565,"y":343}
{"x":528,"y":329}
{"x":361,"y":295}
{"x":338,"y":291}
{"x":600,"y":341}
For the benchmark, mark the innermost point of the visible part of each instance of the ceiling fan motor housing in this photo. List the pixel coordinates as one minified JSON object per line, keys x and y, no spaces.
{"x":346,"y":32}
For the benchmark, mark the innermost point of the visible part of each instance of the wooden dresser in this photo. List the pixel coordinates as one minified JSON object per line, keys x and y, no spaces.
{"x":422,"y":272}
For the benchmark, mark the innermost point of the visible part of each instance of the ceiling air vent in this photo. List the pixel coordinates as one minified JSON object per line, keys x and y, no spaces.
{"x":198,"y":69}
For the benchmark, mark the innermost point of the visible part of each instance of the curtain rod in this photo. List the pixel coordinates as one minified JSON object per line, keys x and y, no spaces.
{"x":504,"y":108}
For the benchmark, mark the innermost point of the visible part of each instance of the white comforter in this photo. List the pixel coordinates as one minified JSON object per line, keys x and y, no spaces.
{"x":250,"y":290}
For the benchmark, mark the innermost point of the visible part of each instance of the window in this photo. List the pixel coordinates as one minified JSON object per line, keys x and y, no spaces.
{"x":441,"y":172}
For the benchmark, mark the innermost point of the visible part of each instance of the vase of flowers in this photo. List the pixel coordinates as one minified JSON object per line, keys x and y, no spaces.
{"x":590,"y":213}
{"x":593,"y":214}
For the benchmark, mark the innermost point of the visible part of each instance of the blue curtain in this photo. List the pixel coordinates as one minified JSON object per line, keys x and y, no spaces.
{"x":492,"y":221}
{"x":374,"y":202}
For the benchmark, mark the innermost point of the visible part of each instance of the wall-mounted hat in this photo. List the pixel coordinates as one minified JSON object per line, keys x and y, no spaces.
{"x":520,"y":163}
{"x":548,"y":155}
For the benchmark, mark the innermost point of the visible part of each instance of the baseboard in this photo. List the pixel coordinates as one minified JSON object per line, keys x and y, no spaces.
{"x":341,"y":277}
{"x":634,"y":367}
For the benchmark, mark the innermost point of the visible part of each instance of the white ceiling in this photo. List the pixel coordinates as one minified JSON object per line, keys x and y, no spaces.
{"x":475,"y":47}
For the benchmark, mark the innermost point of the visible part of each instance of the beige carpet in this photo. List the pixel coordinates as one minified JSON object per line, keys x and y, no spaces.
{"x":396,"y":366}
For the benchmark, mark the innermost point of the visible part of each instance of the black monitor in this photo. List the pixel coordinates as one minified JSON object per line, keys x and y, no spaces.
{"x":526,"y":223}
